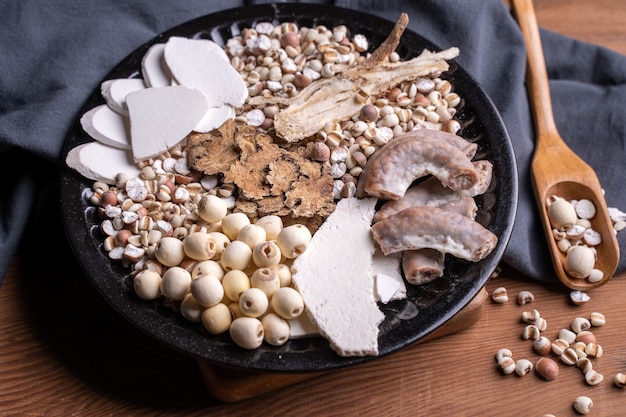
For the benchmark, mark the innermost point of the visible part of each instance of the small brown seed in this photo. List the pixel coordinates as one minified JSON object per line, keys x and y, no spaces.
{"x":586,"y":337}
{"x":579,"y":324}
{"x":320,"y":152}
{"x":290,"y":39}
{"x":369,"y":113}
{"x":547,"y":368}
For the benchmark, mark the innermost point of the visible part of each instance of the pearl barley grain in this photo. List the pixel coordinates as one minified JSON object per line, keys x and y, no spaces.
{"x":500,"y":295}
{"x":525,"y":297}
{"x":523,"y":366}
{"x":583,"y":404}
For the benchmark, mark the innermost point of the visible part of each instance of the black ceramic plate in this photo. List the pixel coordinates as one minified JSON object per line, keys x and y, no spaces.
{"x":426,"y":308}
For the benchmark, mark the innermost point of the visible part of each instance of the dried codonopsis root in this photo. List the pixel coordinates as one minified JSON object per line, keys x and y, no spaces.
{"x":341,"y":97}
{"x":389,"y":45}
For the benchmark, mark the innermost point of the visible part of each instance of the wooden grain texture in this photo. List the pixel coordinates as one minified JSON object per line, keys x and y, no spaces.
{"x":65,"y":352}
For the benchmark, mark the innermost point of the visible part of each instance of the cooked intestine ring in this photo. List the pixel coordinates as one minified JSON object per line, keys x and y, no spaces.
{"x":435,"y":228}
{"x":394,"y":167}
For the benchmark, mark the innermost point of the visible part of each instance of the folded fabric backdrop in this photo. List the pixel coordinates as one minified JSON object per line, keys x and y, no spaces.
{"x":56,"y":53}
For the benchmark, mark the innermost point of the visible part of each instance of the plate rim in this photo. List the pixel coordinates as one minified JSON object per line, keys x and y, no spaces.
{"x":252,"y":360}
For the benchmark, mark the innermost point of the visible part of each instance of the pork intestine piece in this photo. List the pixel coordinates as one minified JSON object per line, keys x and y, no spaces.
{"x":424,"y":265}
{"x":393,"y":168}
{"x":430,"y":192}
{"x":432,"y":227}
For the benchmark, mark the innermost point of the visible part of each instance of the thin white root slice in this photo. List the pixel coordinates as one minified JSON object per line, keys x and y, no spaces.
{"x":431,"y":227}
{"x":115,"y":92}
{"x":100,"y":162}
{"x":161,"y":117}
{"x":337,"y":285}
{"x":154,"y":70}
{"x":202,"y":64}
{"x":214,"y":118}
{"x":107,"y":126}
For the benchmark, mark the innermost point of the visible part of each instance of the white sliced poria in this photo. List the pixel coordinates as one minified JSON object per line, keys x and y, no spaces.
{"x":154,"y":70}
{"x":214,"y":118}
{"x":115,"y":92}
{"x":100,"y":162}
{"x":107,"y":126}
{"x":337,"y":284}
{"x":388,"y":282}
{"x":161,"y":117}
{"x":202,"y":64}
{"x":302,"y":326}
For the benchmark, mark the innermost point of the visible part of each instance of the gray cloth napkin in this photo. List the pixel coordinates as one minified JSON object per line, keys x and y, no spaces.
{"x":55,"y":53}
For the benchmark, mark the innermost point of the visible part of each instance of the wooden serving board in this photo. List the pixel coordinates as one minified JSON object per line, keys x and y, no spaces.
{"x":232,"y":385}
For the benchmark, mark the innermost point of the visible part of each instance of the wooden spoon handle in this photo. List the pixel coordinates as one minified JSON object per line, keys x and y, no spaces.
{"x":536,"y":75}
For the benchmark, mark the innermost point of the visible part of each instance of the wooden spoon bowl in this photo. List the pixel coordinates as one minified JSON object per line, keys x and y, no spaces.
{"x":556,"y":169}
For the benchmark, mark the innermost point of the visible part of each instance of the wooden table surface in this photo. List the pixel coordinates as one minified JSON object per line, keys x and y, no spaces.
{"x":65,"y":352}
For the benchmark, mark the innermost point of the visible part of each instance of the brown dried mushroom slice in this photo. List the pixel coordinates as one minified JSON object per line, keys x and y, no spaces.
{"x":432,"y":227}
{"x":393,"y":168}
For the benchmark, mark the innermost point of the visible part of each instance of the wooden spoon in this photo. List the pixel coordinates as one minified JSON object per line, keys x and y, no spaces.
{"x":556,"y":169}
